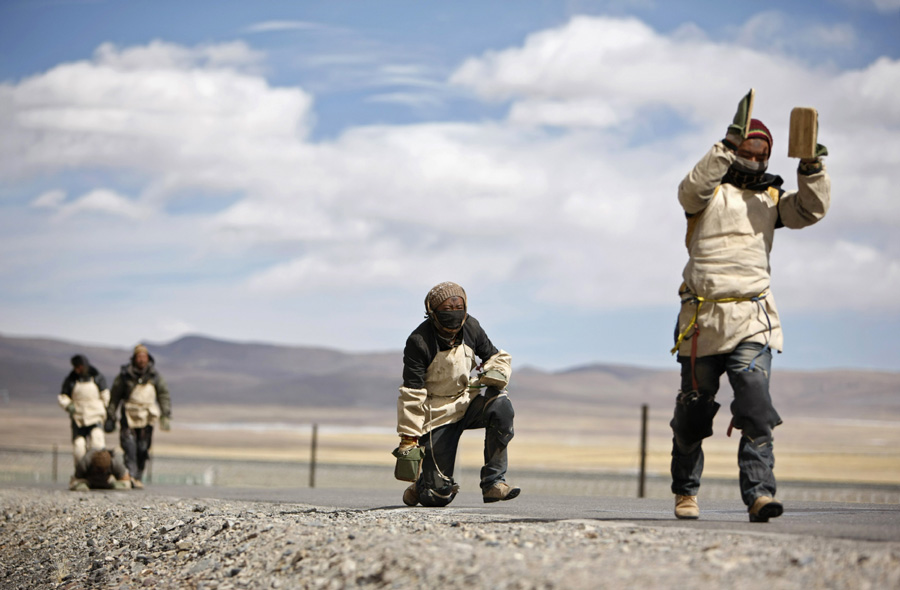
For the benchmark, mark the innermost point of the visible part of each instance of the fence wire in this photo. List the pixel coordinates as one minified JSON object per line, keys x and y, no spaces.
{"x":41,"y":466}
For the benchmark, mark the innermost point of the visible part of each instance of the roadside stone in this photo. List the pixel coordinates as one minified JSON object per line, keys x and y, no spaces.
{"x":219,"y":545}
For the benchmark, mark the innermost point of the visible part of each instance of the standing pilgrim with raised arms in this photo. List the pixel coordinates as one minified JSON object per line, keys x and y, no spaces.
{"x":728,"y":321}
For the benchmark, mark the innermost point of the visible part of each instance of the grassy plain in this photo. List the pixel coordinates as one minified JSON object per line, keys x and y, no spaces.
{"x":584,"y":439}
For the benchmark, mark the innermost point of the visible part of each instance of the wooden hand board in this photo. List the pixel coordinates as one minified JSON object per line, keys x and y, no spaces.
{"x":804,"y":132}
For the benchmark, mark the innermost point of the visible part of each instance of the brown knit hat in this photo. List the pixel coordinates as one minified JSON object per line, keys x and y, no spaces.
{"x":140,"y":348}
{"x":441,"y":293}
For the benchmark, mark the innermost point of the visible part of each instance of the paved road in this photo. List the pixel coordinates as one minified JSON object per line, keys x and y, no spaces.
{"x":869,"y":522}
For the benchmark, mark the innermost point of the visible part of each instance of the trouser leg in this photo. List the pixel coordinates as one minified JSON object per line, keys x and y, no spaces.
{"x":695,"y":409}
{"x":79,"y":448}
{"x":144,"y":438}
{"x":435,"y":485}
{"x":498,"y":418}
{"x":755,"y":416}
{"x":128,"y":440}
{"x":97,"y":439}
{"x":80,"y":436}
{"x":756,"y":462}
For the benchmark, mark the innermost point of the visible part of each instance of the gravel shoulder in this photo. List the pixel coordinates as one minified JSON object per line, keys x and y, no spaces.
{"x":59,"y":539}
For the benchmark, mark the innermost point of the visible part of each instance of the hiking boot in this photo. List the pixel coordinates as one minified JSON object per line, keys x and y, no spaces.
{"x":137,"y":484}
{"x":686,"y":507}
{"x":500,"y":491}
{"x":411,"y":496}
{"x":764,"y":508}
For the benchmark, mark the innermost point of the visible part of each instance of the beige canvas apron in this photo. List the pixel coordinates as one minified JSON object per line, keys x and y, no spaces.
{"x":141,"y":409}
{"x":89,"y":406}
{"x":447,"y":382}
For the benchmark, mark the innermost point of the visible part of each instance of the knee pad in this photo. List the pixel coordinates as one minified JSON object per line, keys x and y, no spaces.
{"x":500,"y":418}
{"x":436,"y":491}
{"x":754,"y":414}
{"x":432,"y":499}
{"x":693,"y":419}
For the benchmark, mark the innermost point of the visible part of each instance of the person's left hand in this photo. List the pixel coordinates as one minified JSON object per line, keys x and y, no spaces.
{"x":164,"y":423}
{"x":407,"y":443}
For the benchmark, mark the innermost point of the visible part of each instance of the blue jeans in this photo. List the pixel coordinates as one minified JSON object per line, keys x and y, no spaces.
{"x":136,"y":446}
{"x":752,"y":411}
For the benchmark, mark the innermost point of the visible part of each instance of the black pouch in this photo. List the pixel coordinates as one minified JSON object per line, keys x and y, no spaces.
{"x":694,"y":413}
{"x":408,"y":463}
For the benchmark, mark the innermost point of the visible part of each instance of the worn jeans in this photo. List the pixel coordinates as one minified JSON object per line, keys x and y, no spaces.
{"x":491,"y":411}
{"x":752,"y":411}
{"x":136,"y":445}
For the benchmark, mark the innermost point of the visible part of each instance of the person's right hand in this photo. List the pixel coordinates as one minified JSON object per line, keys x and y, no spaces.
{"x":109,"y":425}
{"x":737,"y":131}
{"x":71,"y":409}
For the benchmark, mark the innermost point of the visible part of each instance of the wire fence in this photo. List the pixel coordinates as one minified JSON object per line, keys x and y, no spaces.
{"x":55,"y":465}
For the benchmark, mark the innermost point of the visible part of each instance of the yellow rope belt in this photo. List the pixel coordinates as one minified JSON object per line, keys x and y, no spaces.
{"x":700,"y":301}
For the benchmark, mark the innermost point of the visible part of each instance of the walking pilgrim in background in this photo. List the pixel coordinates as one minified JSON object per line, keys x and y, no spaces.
{"x":144,"y":399}
{"x":84,"y":396}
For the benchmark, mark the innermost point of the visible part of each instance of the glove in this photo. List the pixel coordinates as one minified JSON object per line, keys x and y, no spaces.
{"x":821,"y":150}
{"x":494,"y":378}
{"x":407,"y":443}
{"x":109,"y":425}
{"x":165,"y":423}
{"x":737,"y":131}
{"x":814,"y":165}
{"x":71,"y":410}
{"x":491,"y":378}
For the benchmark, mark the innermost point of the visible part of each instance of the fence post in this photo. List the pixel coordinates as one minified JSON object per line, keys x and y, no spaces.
{"x":312,"y":458}
{"x":643,"y":476}
{"x":55,"y":461}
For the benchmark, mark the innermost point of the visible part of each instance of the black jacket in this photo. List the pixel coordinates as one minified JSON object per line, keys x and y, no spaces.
{"x":424,"y":343}
{"x":92,"y":375}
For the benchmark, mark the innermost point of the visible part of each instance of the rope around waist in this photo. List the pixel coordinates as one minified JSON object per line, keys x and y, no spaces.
{"x":699,"y":300}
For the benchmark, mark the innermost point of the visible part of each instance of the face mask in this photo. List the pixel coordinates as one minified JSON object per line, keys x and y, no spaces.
{"x":451,"y":321}
{"x":749,"y":166}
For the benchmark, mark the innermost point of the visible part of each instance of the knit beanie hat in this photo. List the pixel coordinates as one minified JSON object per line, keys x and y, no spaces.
{"x":441,"y":293}
{"x":141,"y":348}
{"x":758,"y":130}
{"x":79,"y":360}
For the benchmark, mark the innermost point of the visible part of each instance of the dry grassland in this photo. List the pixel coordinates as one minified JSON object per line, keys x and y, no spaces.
{"x":587,"y":440}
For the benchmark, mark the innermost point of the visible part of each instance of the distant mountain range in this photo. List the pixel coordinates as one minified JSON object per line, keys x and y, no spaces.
{"x":202,"y":370}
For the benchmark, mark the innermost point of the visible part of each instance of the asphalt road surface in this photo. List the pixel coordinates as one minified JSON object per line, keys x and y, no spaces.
{"x":868,"y":522}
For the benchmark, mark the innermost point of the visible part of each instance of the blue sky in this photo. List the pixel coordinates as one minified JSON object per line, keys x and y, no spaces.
{"x":302,"y":173}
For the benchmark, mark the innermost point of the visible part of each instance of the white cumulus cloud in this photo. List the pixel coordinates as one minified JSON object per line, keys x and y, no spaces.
{"x":571,"y":195}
